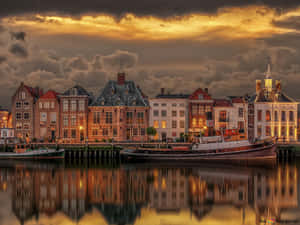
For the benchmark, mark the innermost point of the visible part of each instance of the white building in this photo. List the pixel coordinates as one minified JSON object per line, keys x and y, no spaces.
{"x":169,"y":115}
{"x":7,"y":135}
{"x":275,"y":114}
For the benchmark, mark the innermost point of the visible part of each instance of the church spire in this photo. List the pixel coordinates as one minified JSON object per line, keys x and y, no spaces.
{"x":268,"y":74}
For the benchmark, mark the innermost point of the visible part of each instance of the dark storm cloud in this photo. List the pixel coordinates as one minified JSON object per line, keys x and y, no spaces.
{"x":19,"y":50}
{"x":20,"y":36}
{"x":162,"y":8}
{"x":292,"y":22}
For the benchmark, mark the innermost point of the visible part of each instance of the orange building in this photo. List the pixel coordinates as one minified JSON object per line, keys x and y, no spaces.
{"x":47,"y":117}
{"x":121,"y":112}
{"x":201,"y":113}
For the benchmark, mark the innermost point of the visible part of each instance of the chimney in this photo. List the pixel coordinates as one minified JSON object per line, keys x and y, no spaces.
{"x":162,"y":91}
{"x":258,"y":86}
{"x":121,"y":78}
{"x":206,"y":90}
{"x":278,"y":85}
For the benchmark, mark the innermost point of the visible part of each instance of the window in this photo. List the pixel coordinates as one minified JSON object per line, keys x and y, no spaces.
{"x":241,"y":127}
{"x":140,"y":116}
{"x":19,"y":125}
{"x":65,"y":105}
{"x":182,"y":124}
{"x":73,"y":120}
{"x":73,"y":133}
{"x":276,"y":131}
{"x":52,"y":105}
{"x":259,"y":115}
{"x":268,"y":131}
{"x":200,"y":96}
{"x":174,"y":124}
{"x":26,"y":105}
{"x":291,"y":131}
{"x":40,"y":105}
{"x":174,"y":104}
{"x":18,"y":105}
{"x":222,"y":116}
{"x":276,"y":116}
{"x":283,"y":131}
{"x":26,"y":116}
{"x":73,"y":105}
{"x":115,"y":132}
{"x":43,"y":116}
{"x":194,"y":110}
{"x":96,"y":117}
{"x":241,"y":112}
{"x":108,"y":117}
{"x":155,"y":104}
{"x":81,"y":105}
{"x":135,"y":131}
{"x":95,"y":132}
{"x":182,"y":113}
{"x":53,"y":117}
{"x":156,"y":124}
{"x":174,"y":113}
{"x":66,"y":120}
{"x":259,"y":131}
{"x":65,"y":133}
{"x":163,"y":113}
{"x":129,"y":117}
{"x":23,"y":95}
{"x":163,"y":104}
{"x":18,"y":116}
{"x":268,"y":115}
{"x":143,"y":131}
{"x":155,"y":113}
{"x":105,"y":132}
{"x":163,"y":124}
{"x":291,"y":116}
{"x":181,"y":104}
{"x":26,"y":126}
{"x":283,"y":117}
{"x":194,"y":122}
{"x":174,"y":134}
{"x":46,"y":105}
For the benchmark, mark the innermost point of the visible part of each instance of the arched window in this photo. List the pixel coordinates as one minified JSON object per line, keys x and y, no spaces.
{"x":268,"y":115}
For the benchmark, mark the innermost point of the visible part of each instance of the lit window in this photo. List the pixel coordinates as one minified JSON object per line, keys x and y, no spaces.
{"x":40,"y":105}
{"x":194,"y":122}
{"x":46,"y":105}
{"x":268,"y":115}
{"x":19,"y":125}
{"x":163,"y":124}
{"x":156,"y":124}
{"x":52,"y":105}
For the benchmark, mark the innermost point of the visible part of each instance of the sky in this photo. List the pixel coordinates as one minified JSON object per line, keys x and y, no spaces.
{"x":222,"y":45}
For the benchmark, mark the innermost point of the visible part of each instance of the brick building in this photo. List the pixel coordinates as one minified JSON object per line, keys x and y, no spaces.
{"x":74,"y":114}
{"x":47,"y":117}
{"x":121,"y":112}
{"x":23,"y":104}
{"x":201,"y":113}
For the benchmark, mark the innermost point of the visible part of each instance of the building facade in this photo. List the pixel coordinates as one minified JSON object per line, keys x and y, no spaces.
{"x":169,"y":115}
{"x":74,"y":115}
{"x":201,"y":113}
{"x":120,"y":113}
{"x":275,"y":114}
{"x":47,"y":117}
{"x":23,"y":104}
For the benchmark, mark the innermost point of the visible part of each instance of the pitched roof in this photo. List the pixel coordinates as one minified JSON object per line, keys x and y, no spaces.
{"x":76,"y":91}
{"x":196,"y":94}
{"x":50,"y":95}
{"x":222,"y":103}
{"x":127,"y":94}
{"x":173,"y":96}
{"x":35,"y":92}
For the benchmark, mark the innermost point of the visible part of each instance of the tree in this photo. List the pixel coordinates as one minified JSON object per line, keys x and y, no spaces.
{"x":151,"y":131}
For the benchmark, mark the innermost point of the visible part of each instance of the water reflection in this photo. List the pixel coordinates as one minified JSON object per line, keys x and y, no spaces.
{"x":147,"y":195}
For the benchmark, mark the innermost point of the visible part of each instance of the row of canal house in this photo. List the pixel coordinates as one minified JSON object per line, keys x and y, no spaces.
{"x":269,"y":112}
{"x":122,"y":112}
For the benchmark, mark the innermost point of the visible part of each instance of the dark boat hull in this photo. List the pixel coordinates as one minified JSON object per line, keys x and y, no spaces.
{"x":34,"y":155}
{"x":263,"y":153}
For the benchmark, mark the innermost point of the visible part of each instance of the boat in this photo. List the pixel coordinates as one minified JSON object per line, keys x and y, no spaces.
{"x":231,"y":151}
{"x":25,"y":152}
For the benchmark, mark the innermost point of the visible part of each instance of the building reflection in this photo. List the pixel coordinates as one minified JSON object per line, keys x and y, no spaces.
{"x":121,"y":194}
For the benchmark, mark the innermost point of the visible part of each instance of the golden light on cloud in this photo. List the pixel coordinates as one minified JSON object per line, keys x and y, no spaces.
{"x":228,"y":23}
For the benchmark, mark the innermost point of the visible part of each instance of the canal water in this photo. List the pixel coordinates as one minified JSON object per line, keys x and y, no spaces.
{"x":148,"y":194}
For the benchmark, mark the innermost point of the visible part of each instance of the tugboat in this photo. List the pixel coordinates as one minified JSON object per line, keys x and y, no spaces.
{"x":23,"y":151}
{"x":231,"y":151}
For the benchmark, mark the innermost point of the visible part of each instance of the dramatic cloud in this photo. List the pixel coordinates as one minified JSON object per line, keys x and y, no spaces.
{"x":78,"y":63}
{"x":120,"y":60}
{"x":292,"y":22}
{"x":18,"y":35}
{"x":118,"y":8}
{"x":2,"y":59}
{"x":19,"y":50}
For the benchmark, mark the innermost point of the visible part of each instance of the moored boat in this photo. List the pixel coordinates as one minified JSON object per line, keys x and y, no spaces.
{"x":220,"y":151}
{"x":25,"y":152}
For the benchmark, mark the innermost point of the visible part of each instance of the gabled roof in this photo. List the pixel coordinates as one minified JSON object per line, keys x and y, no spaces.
{"x":195,"y":95}
{"x":127,"y":94}
{"x":76,"y":91}
{"x":173,"y":96}
{"x":50,"y":95}
{"x":35,"y":92}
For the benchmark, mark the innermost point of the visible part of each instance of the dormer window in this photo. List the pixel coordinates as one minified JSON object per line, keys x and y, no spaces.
{"x":200,"y":96}
{"x":102,"y":102}
{"x":74,"y":91}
